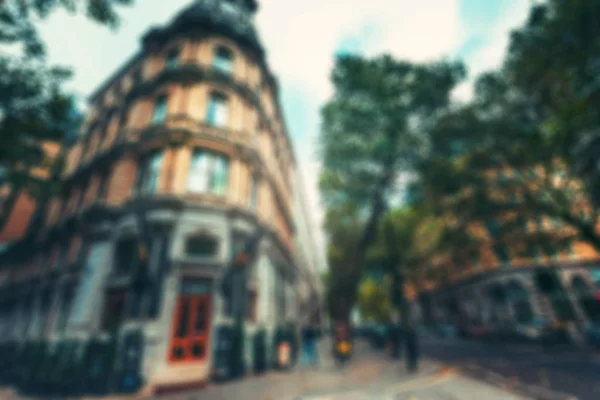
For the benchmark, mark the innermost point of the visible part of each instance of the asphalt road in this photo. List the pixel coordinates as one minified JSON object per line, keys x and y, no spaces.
{"x":572,"y":372}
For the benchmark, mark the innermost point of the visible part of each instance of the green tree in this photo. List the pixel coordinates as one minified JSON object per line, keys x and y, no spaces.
{"x":34,"y":108}
{"x":343,"y":226}
{"x":505,"y":161}
{"x":33,"y":105}
{"x":372,"y":132}
{"x":374,"y":301}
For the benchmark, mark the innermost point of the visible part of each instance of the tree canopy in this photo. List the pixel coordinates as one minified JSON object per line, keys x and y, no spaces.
{"x":34,"y":107}
{"x":514,"y":170}
{"x":372,"y":132}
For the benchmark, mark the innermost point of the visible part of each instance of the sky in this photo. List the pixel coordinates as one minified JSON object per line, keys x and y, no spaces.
{"x":301,"y":39}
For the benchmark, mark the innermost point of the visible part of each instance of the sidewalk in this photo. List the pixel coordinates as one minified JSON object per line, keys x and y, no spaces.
{"x":369,"y":375}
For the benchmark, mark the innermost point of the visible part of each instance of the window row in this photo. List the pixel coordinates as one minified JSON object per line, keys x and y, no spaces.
{"x":208,"y":174}
{"x":222,"y":61}
{"x":40,"y":314}
{"x":217,"y":110}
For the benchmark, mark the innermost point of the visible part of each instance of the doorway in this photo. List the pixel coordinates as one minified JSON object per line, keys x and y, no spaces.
{"x":191,"y":324}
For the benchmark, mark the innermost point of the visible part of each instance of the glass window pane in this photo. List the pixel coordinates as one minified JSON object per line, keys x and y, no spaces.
{"x":201,"y":317}
{"x":184,"y":317}
{"x":172,"y":59}
{"x":201,"y":246}
{"x":223,"y":60}
{"x":91,"y":283}
{"x":152,"y":173}
{"x":160,"y":110}
{"x":65,"y":308}
{"x":217,"y":112}
{"x":198,"y":176}
{"x":220,"y":175}
{"x":221,"y":113}
{"x":253,"y":192}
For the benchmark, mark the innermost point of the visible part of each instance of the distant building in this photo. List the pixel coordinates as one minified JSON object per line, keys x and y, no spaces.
{"x":506,"y":284}
{"x":17,"y":206}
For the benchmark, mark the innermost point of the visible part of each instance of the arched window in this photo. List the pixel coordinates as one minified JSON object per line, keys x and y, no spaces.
{"x":223,"y":60}
{"x":585,"y":296}
{"x":520,"y":302}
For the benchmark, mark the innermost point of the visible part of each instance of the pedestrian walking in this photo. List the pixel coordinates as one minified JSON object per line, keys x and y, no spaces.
{"x":342,"y":346}
{"x":411,"y":341}
{"x":309,"y":344}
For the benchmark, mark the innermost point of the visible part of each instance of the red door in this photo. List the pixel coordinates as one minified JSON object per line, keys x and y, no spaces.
{"x":190,"y":329}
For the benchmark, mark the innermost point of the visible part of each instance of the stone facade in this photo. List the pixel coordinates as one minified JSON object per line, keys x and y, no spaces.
{"x":182,"y":158}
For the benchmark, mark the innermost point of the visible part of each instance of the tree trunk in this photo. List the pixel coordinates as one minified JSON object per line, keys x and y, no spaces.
{"x":342,"y":306}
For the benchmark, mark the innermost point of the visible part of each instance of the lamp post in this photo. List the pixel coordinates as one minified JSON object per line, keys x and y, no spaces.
{"x":234,"y":286}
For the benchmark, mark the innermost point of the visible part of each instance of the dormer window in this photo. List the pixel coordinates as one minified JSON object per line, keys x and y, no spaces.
{"x":223,"y":60}
{"x":172,"y":59}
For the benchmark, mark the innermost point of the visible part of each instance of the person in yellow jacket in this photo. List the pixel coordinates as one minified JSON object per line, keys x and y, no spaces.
{"x":342,"y":344}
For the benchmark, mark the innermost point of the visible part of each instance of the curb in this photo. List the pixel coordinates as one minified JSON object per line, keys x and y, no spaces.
{"x":523,"y":389}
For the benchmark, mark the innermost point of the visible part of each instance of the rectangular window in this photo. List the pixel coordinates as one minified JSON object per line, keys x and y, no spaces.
{"x":223,"y":60}
{"x":90,"y":286}
{"x":209,"y":173}
{"x":125,"y":256}
{"x":172,"y":59}
{"x":46,"y":312}
{"x":103,"y":189}
{"x":150,"y":173}
{"x":253,"y":192}
{"x":201,"y":246}
{"x":160,"y":110}
{"x":217,"y":112}
{"x":66,"y":300}
{"x":114,"y":309}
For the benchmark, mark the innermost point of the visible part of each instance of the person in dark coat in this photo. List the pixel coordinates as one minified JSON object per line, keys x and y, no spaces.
{"x":411,"y":341}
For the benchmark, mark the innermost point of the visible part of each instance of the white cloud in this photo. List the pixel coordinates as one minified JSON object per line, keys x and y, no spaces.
{"x":300,"y":37}
{"x":491,"y":55}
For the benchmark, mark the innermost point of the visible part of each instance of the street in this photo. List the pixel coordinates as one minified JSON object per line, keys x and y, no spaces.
{"x":369,"y":375}
{"x":571,"y":372}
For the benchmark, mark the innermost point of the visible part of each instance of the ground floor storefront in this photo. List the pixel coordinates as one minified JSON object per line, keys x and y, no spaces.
{"x":178,"y":316}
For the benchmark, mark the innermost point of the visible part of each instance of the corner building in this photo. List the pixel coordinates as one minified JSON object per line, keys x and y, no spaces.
{"x":185,"y":144}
